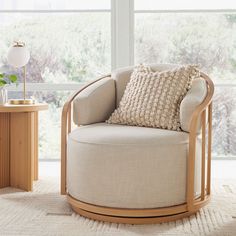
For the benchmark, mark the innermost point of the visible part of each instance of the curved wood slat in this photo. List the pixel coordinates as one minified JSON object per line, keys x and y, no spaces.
{"x":135,"y":216}
{"x":124,"y":212}
{"x":192,"y":140}
{"x":131,"y":220}
{"x":203,"y":155}
{"x":209,"y":149}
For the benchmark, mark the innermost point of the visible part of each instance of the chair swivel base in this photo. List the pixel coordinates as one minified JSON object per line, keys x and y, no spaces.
{"x":135,"y":216}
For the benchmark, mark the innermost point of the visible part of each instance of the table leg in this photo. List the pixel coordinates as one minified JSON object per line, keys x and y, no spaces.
{"x":22,"y":150}
{"x":4,"y":150}
{"x":36,"y":175}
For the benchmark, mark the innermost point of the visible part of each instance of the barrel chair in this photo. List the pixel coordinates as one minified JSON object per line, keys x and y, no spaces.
{"x":130,"y":174}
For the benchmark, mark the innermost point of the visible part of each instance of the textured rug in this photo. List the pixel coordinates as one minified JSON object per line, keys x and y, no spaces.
{"x":45,"y":212}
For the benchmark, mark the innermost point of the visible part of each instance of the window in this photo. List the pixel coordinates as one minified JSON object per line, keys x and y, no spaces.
{"x":73,"y":41}
{"x":65,"y":47}
{"x":70,"y":43}
{"x":201,"y":33}
{"x":200,"y":5}
{"x":35,"y":5}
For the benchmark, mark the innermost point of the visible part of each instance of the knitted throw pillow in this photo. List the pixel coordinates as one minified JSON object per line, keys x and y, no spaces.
{"x":152,"y":99}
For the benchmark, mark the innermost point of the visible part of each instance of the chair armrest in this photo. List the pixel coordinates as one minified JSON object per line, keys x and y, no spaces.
{"x":199,"y":115}
{"x":95,"y":103}
{"x":66,"y":129}
{"x":191,"y":101}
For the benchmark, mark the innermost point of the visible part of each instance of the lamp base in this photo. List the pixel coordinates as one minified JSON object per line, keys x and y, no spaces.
{"x":21,"y":101}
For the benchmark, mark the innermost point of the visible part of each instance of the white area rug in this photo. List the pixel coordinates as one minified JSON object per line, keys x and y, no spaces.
{"x":45,"y":212}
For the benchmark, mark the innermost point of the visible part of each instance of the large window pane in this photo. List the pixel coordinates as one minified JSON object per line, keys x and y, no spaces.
{"x":64,"y":47}
{"x":205,"y":39}
{"x":184,"y":4}
{"x":224,"y":122}
{"x":54,"y":4}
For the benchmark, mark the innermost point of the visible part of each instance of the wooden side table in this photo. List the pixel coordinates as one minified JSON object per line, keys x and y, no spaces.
{"x":19,"y":145}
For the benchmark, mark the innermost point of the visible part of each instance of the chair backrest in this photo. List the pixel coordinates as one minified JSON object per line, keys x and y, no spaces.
{"x":122,"y":77}
{"x":194,"y":97}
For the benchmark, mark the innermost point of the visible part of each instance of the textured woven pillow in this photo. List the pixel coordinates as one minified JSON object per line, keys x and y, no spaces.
{"x":152,"y":99}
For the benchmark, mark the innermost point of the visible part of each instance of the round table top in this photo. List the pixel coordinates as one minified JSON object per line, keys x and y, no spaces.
{"x":23,"y":108}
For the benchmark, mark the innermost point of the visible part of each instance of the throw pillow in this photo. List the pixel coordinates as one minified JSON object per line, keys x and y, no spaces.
{"x":152,"y":99}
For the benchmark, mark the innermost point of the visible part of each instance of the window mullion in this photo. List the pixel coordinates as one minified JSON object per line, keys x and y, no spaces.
{"x":122,"y":33}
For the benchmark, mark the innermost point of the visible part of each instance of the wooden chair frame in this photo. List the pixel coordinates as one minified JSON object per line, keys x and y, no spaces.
{"x":154,"y":215}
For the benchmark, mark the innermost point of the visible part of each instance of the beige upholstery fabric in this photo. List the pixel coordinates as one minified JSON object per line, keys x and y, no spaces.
{"x":128,"y":166}
{"x":122,"y":77}
{"x":194,"y":98}
{"x":95,"y":103}
{"x":152,"y":99}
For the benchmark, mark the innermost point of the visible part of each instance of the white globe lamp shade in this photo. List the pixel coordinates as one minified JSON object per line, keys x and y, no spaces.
{"x":18,"y":55}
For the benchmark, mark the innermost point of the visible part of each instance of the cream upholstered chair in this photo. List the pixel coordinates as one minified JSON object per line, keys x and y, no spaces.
{"x":130,"y":174}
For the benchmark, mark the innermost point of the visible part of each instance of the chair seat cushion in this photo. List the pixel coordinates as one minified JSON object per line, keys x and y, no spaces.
{"x":128,"y":167}
{"x":112,"y":134}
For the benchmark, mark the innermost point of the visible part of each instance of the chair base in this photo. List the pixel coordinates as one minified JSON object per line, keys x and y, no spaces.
{"x":131,"y":220}
{"x":134,"y":216}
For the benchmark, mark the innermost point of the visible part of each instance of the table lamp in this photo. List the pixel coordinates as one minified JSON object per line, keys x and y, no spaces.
{"x":18,"y":56}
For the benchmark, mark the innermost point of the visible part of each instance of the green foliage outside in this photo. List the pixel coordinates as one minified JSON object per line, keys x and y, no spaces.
{"x":6,"y":79}
{"x":71,"y":48}
{"x":65,"y":48}
{"x":208,"y":40}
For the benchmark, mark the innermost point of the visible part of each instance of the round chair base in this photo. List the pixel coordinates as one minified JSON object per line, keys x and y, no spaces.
{"x":134,"y":216}
{"x":131,"y":220}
